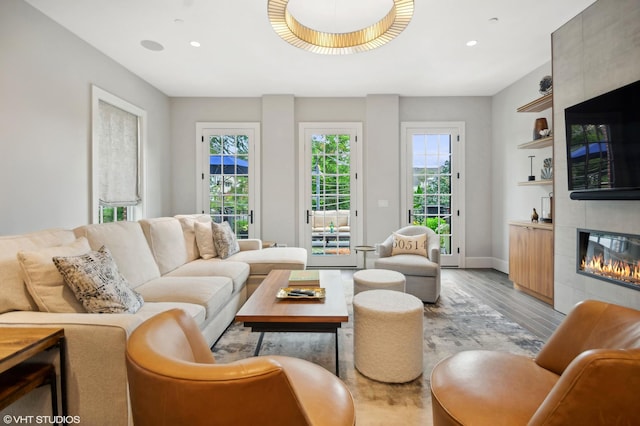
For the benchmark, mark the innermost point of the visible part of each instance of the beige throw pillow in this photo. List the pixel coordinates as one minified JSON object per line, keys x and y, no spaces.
{"x":405,"y":244}
{"x":97,"y":283}
{"x":204,"y":239}
{"x":224,"y":240}
{"x":44,"y":282}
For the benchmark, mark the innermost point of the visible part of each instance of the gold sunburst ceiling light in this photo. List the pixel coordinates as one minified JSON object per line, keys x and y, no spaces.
{"x":328,"y":43}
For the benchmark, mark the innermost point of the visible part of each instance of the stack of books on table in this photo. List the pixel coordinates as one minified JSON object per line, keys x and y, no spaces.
{"x":304,"y":278}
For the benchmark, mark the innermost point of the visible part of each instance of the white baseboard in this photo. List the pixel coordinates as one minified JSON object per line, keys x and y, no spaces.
{"x":478,"y":262}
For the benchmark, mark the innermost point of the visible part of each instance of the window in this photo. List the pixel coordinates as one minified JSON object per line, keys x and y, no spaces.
{"x":118,"y":138}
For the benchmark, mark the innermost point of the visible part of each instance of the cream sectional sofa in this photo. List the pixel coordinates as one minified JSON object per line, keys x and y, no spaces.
{"x":160,"y":259}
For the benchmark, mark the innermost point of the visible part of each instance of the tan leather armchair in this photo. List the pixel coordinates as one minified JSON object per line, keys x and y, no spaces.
{"x":422,"y":274}
{"x":588,"y":373}
{"x":174,"y":380}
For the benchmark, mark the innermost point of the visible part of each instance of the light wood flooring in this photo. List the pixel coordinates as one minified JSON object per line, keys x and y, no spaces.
{"x":496,"y":290}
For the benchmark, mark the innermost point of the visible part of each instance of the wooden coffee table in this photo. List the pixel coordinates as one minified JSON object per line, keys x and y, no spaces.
{"x":264,"y":312}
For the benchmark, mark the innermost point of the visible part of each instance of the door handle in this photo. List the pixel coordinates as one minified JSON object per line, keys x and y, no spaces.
{"x":409,"y":216}
{"x":251,"y":217}
{"x":308,"y":215}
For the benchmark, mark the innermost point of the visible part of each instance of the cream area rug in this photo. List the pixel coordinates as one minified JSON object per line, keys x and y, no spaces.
{"x":456,"y":323}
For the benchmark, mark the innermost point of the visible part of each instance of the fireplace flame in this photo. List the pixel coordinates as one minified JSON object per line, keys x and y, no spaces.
{"x":617,"y":270}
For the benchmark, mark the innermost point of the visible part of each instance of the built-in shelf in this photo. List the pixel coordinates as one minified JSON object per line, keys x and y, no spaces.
{"x":536,"y":182}
{"x":537,"y":144}
{"x":539,"y":104}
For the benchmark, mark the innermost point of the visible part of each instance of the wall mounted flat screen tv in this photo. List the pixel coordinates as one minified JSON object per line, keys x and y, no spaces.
{"x":603,"y":146}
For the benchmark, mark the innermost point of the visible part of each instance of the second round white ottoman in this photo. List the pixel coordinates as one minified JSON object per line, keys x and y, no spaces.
{"x":387,"y":335}
{"x":378,"y":279}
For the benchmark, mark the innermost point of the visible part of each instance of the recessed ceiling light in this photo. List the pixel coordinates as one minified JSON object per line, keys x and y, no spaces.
{"x":195,"y":43}
{"x":178,"y":21}
{"x":494,"y":19}
{"x":472,"y":43}
{"x":152,"y":45}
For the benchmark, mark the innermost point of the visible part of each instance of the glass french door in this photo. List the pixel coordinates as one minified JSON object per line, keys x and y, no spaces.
{"x":330,"y":223}
{"x":432,"y":184}
{"x":229,"y":177}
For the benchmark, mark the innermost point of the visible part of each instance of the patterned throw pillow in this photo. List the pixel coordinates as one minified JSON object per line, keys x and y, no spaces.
{"x":409,"y":244}
{"x":224,"y":240}
{"x":96,"y":282}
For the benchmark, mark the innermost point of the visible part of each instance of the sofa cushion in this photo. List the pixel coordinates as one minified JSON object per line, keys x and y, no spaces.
{"x":224,"y":239}
{"x":166,"y":240}
{"x":238,"y":272}
{"x":187,"y":222}
{"x":204,"y":240}
{"x":13,"y":293}
{"x":44,"y":282}
{"x":210,"y":292}
{"x":409,"y":264}
{"x":409,"y":244}
{"x":261,"y":262}
{"x":97,"y":283}
{"x":127,"y":245}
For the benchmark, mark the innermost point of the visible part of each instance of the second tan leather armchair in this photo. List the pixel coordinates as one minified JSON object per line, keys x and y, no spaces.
{"x":588,"y":373}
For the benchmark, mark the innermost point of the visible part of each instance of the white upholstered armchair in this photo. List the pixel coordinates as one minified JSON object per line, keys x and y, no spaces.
{"x":422,"y":272}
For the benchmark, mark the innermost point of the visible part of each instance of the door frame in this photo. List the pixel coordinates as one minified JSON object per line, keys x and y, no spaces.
{"x":304,"y":179}
{"x":202,"y":169}
{"x":457,"y":176}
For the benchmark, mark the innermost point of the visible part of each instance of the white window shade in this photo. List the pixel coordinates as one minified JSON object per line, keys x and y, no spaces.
{"x":118,"y":149}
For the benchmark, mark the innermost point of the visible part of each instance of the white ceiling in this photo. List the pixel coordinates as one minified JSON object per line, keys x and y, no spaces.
{"x":241,"y":55}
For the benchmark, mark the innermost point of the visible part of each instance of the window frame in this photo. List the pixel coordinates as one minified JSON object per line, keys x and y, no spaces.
{"x":97,"y":95}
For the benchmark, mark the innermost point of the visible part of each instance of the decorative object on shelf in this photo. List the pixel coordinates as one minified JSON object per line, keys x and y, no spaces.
{"x":546,"y":85}
{"x":546,"y":207}
{"x":545,"y":133}
{"x":531,"y":176}
{"x":540,"y":125}
{"x":534,"y":216}
{"x":547,"y":171}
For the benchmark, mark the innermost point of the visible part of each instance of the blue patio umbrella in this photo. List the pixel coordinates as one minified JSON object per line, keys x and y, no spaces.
{"x":595,"y":148}
{"x":229,"y":164}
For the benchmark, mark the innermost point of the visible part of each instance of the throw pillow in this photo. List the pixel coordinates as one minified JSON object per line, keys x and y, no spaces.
{"x":409,"y":244}
{"x":204,"y":239}
{"x":97,"y":283}
{"x":224,"y":240}
{"x":44,"y":282}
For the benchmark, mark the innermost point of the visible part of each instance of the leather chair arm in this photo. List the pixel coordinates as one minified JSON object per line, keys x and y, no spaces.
{"x":596,"y":388}
{"x":237,"y":393}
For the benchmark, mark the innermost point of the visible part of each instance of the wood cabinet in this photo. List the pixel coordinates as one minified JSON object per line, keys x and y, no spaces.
{"x":531,"y":259}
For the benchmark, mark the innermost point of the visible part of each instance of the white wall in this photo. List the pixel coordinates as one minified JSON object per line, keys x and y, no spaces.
{"x":46,"y":74}
{"x":597,"y":51}
{"x":381,"y":116}
{"x":510,"y":165}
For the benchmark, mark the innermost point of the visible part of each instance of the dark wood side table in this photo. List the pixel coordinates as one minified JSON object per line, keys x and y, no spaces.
{"x":17,"y":378}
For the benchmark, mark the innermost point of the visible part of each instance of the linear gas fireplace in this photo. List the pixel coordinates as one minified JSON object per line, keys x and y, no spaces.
{"x":609,"y":256}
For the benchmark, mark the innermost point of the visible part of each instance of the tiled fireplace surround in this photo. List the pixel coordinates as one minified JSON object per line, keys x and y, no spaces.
{"x":610,"y":28}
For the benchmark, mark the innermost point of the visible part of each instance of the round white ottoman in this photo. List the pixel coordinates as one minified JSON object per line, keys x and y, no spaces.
{"x":378,"y":279}
{"x":387,"y":335}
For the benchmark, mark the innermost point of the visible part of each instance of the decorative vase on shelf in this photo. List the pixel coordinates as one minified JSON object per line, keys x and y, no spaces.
{"x":547,"y":171}
{"x":540,"y":125}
